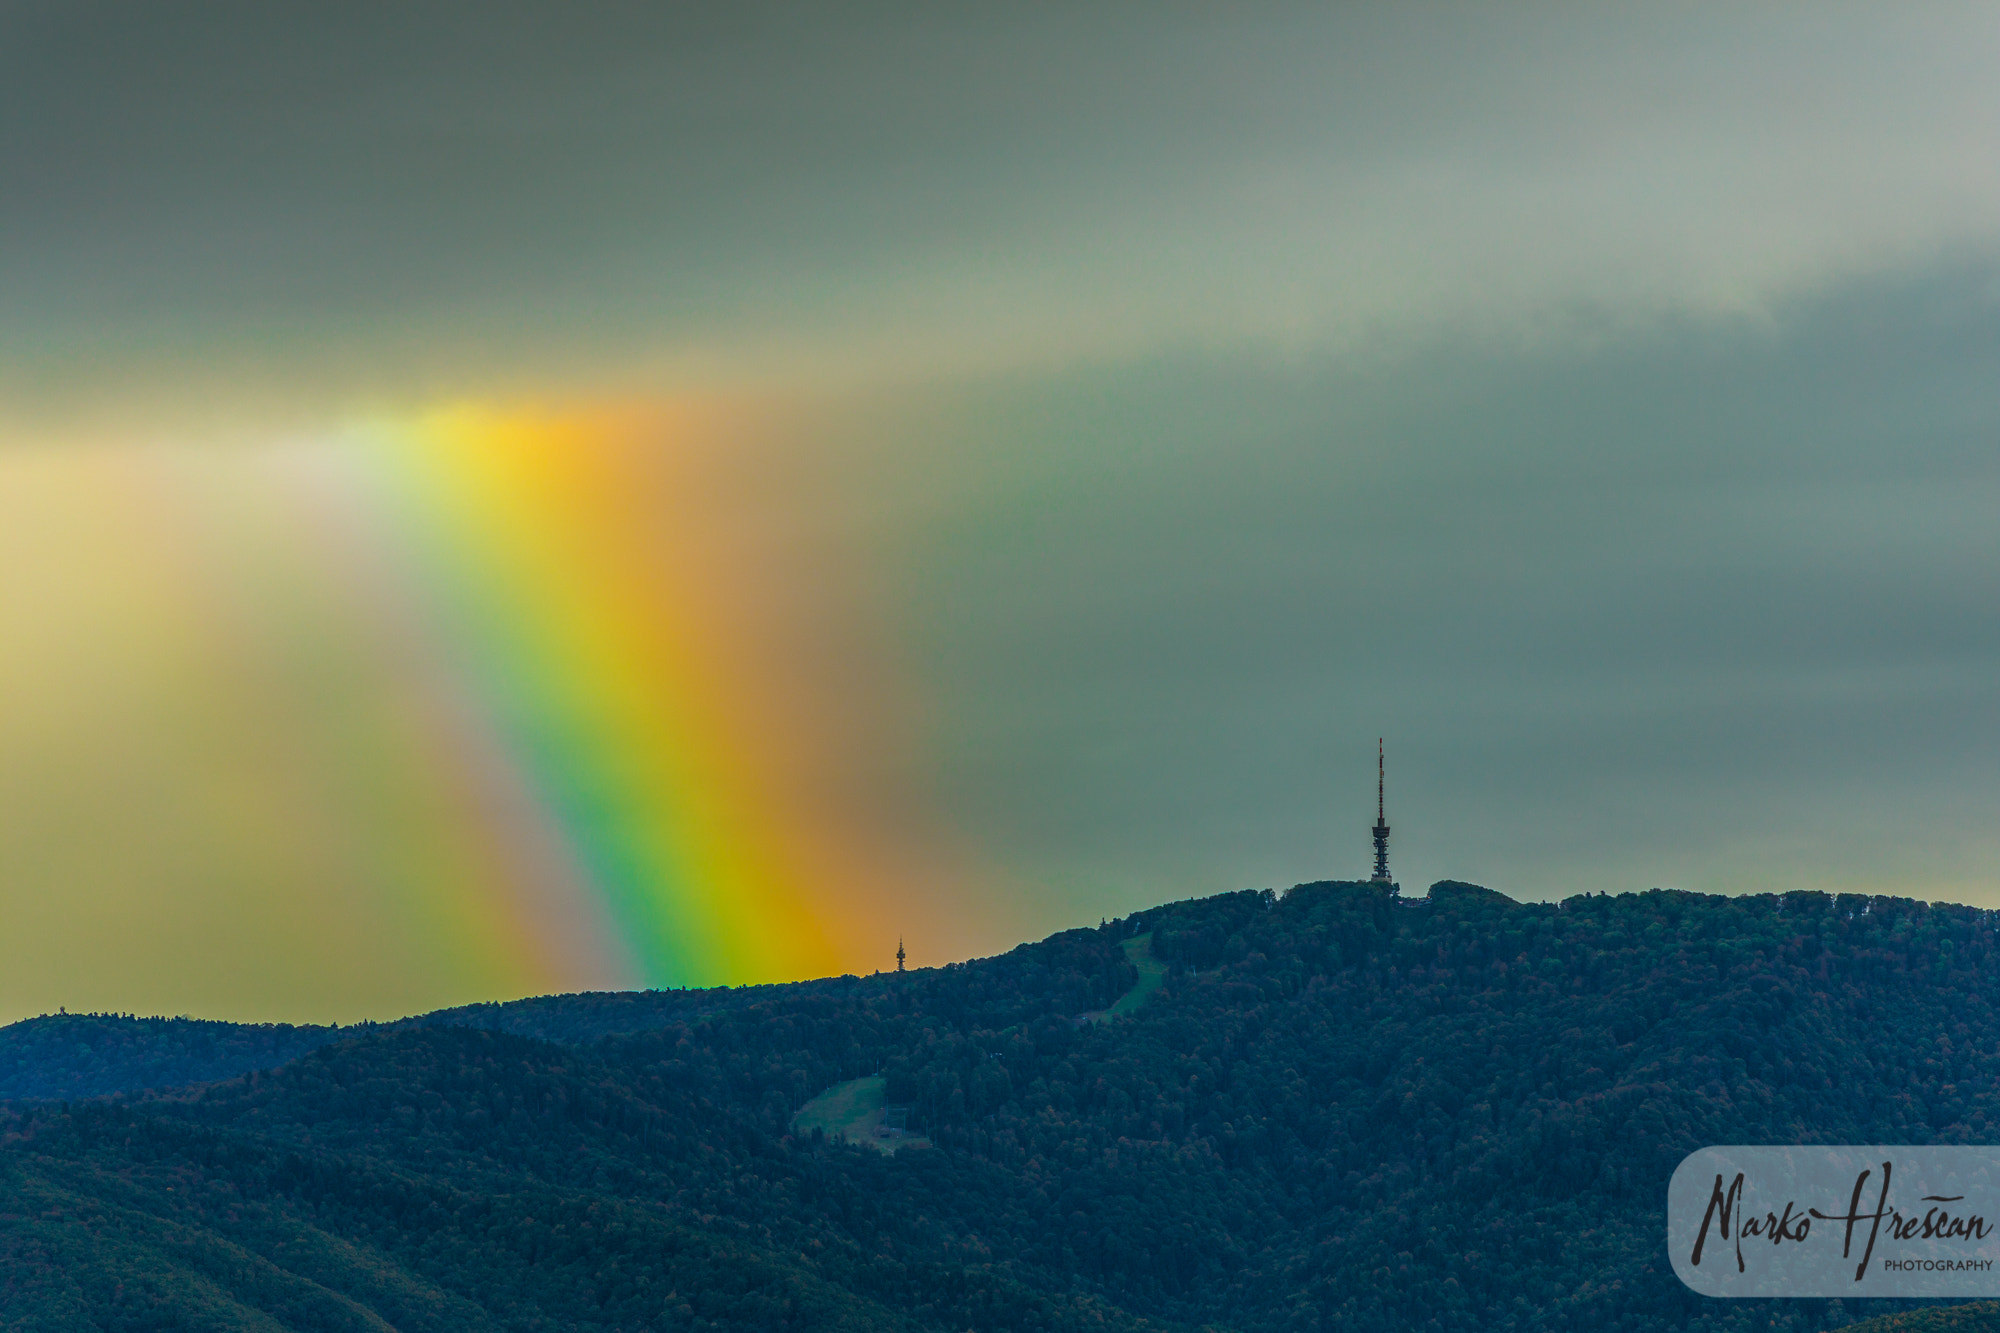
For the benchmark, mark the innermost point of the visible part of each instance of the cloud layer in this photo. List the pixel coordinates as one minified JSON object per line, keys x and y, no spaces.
{"x":469,"y":197}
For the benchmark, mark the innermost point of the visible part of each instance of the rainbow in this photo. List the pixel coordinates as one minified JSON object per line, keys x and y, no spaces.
{"x":562,"y":555}
{"x":476,"y":704}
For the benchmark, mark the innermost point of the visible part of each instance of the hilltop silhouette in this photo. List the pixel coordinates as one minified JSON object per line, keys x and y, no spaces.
{"x":1336,"y":1108}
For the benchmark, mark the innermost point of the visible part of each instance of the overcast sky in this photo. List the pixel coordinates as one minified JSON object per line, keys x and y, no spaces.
{"x":1599,"y":401}
{"x":381,"y":199}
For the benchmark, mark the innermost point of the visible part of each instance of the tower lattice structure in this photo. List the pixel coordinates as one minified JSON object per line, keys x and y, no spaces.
{"x":1381,"y":875}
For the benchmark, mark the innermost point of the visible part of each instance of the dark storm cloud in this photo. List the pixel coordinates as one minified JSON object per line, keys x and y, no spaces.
{"x":235,"y":160}
{"x":502,"y":192}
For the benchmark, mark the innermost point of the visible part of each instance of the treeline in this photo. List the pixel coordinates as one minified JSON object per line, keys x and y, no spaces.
{"x":90,"y":1055}
{"x":59,"y":1056}
{"x":1973,"y":1317}
{"x":1343,"y":1110}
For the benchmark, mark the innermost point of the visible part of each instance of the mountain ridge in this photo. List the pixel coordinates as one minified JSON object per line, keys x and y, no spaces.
{"x":51,"y":1057}
{"x":1340,"y":1109}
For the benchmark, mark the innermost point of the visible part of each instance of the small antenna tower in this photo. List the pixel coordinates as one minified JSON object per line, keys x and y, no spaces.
{"x":1381,"y":828}
{"x":899,"y":953}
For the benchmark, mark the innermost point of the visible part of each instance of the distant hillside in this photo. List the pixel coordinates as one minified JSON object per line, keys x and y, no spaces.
{"x":1339,"y":1110}
{"x":60,"y":1056}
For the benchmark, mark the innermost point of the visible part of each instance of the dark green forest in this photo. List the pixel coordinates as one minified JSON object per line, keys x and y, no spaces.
{"x":1343,"y":1110}
{"x":87,"y":1055}
{"x":1975,"y":1317}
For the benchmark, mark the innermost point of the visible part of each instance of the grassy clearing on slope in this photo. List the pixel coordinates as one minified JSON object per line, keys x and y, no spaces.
{"x":853,"y":1112}
{"x":1152,"y":972}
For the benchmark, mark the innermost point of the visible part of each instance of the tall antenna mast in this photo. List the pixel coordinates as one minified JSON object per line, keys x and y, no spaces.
{"x":1381,"y":826}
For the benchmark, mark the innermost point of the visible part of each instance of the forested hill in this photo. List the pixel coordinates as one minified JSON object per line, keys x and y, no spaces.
{"x":60,"y":1056}
{"x":1342,"y":1109}
{"x":1973,"y":1317}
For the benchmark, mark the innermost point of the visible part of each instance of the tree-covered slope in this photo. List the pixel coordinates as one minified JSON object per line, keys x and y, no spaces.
{"x":1342,"y":1109}
{"x":89,"y":1055}
{"x":1974,"y":1317}
{"x":58,"y":1056}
